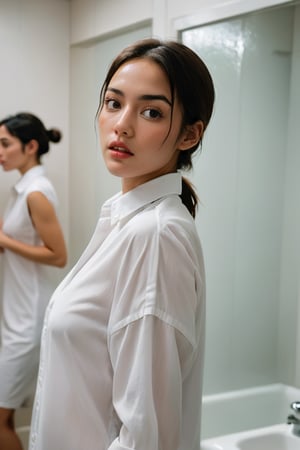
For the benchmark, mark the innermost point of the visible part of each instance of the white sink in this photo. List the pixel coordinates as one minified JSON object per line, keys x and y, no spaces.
{"x":210,"y":447}
{"x":277,"y":437}
{"x":270,"y":441}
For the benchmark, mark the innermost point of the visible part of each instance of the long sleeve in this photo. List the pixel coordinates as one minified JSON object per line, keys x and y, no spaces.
{"x":147,"y":387}
{"x":154,"y":336}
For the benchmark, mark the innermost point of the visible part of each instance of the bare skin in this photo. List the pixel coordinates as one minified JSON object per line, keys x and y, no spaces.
{"x":139,"y":128}
{"x":9,"y":440}
{"x":53,"y":251}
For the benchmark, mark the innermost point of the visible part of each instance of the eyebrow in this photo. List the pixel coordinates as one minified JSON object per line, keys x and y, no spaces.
{"x":144,"y":97}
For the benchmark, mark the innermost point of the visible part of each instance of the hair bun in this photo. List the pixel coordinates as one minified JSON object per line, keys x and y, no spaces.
{"x":54,"y":135}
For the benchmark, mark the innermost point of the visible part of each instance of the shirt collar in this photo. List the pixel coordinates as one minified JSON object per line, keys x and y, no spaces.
{"x":28,"y":177}
{"x":125,"y":204}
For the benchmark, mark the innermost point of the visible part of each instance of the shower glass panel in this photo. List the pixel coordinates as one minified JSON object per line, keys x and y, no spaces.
{"x":245,"y":212}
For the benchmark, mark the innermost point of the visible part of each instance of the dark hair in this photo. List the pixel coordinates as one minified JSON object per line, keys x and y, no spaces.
{"x":189,"y":78}
{"x":26,"y":126}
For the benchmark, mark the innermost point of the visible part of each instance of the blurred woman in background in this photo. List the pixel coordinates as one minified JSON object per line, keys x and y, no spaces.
{"x":31,"y":238}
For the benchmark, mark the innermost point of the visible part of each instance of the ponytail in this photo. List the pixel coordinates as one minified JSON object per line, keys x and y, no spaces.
{"x":189,"y":197}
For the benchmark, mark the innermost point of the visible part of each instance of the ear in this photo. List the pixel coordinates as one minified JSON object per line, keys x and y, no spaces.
{"x":191,"y":135}
{"x":32,"y":147}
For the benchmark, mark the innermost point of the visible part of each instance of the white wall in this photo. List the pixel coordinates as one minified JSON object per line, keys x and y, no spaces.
{"x":90,"y":183}
{"x":96,"y":18}
{"x":34,"y":76}
{"x":295,"y":164}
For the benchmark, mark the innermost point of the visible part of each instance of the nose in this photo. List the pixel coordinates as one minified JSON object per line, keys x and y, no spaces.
{"x":124,"y":125}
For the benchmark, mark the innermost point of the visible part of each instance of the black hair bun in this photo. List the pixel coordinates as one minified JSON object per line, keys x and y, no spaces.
{"x":54,"y":135}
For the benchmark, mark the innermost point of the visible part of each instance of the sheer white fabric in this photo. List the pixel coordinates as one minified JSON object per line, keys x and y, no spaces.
{"x":122,"y":346}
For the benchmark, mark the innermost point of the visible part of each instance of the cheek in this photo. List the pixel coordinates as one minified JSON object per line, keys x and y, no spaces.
{"x":100,"y":119}
{"x":101,"y":128}
{"x":15,"y":156}
{"x":158,"y":135}
{"x":103,"y":119}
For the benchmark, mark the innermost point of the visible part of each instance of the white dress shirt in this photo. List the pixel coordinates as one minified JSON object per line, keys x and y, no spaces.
{"x":122,"y":346}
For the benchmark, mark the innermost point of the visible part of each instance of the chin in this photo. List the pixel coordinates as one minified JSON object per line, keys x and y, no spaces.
{"x":115,"y":170}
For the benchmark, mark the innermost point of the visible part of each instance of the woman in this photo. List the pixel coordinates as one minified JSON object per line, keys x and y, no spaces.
{"x":30,"y":238}
{"x":122,"y":354}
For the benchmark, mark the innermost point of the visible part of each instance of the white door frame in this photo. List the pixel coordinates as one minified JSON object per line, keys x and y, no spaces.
{"x":224,"y":10}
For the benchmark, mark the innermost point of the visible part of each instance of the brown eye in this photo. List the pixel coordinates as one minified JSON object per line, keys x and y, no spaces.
{"x":152,"y":113}
{"x":112,"y":104}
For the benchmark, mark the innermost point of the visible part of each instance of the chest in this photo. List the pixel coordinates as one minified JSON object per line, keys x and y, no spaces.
{"x":83,"y":298}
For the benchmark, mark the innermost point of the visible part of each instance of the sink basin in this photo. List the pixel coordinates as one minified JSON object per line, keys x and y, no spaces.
{"x":210,"y":447}
{"x":270,"y":441}
{"x":276,"y":437}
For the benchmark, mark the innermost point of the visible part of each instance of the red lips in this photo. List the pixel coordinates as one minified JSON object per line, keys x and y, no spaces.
{"x":119,"y":147}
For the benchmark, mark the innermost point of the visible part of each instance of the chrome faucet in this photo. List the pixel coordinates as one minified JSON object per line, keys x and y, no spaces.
{"x":294,"y":418}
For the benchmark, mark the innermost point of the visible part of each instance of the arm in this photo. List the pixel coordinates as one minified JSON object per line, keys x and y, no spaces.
{"x":147,"y":387}
{"x":152,"y":339}
{"x":53,"y":250}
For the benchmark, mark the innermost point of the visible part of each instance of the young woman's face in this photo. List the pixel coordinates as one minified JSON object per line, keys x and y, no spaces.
{"x":12,"y":155}
{"x":139,"y":136}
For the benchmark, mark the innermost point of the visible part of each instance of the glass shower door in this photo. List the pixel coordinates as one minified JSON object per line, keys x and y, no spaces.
{"x":247,"y":217}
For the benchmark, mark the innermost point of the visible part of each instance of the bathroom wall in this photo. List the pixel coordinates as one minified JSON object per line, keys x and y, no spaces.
{"x":34,"y":76}
{"x":90,"y":183}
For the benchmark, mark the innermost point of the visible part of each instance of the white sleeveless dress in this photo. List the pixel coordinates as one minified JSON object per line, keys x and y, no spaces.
{"x":26,"y":291}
